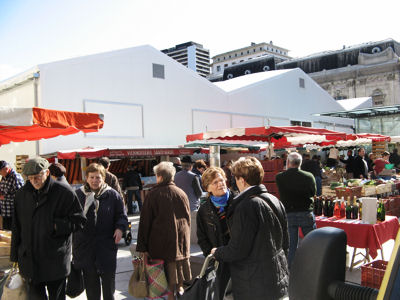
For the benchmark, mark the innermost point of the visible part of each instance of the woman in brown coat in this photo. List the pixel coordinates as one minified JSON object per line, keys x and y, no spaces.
{"x":164,"y":228}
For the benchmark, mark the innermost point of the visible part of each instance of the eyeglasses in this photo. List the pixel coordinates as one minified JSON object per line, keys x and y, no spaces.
{"x":36,"y":177}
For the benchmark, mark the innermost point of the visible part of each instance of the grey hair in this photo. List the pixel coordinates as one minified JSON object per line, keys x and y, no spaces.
{"x":294,"y":159}
{"x":165,"y":170}
{"x":187,"y":166}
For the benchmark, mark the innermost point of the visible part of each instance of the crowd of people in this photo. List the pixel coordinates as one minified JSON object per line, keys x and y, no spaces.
{"x":227,"y":211}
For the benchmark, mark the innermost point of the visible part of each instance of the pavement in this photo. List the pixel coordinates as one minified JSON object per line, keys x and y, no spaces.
{"x":125,"y":269}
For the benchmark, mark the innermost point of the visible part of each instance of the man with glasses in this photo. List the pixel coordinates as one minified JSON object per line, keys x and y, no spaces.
{"x":45,"y":215}
{"x":10,"y":182}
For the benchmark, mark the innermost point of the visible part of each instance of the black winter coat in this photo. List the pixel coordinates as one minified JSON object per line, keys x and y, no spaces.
{"x":209,"y":230}
{"x":95,"y":244}
{"x":42,"y":227}
{"x":257,"y":251}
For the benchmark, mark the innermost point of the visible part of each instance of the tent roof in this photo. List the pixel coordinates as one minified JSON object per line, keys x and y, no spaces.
{"x":356,"y":103}
{"x":246,"y":80}
{"x":19,"y":124}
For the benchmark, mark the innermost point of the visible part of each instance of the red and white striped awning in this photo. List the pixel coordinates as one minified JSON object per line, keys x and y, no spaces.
{"x":281,"y":136}
{"x":19,"y":124}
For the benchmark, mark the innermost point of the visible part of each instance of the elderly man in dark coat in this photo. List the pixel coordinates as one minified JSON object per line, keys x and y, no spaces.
{"x":164,"y":228}
{"x":46,"y":213}
{"x":258,"y":248}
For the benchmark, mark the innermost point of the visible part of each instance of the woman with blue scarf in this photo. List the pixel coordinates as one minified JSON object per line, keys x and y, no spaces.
{"x":213,"y":226}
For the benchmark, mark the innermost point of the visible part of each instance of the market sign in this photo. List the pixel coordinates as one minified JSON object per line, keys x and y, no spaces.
{"x":150,"y":152}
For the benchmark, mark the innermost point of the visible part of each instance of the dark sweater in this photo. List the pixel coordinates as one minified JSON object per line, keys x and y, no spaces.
{"x":296,"y":189}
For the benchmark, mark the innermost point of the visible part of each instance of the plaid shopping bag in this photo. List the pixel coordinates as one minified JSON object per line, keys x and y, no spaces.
{"x":157,"y":281}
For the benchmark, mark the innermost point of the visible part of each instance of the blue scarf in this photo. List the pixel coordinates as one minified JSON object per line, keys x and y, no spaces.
{"x":221,"y":201}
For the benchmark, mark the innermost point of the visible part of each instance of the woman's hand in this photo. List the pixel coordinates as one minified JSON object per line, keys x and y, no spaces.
{"x":117,"y":235}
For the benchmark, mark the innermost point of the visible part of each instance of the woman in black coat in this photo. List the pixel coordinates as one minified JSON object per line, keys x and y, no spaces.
{"x":212,"y":223}
{"x":95,"y":246}
{"x":258,"y":248}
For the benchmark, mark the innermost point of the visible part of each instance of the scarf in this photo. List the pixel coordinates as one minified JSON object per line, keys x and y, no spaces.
{"x":221,"y":201}
{"x":93,"y":198}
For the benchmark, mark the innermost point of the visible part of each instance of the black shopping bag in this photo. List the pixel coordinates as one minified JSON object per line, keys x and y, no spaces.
{"x":75,"y":284}
{"x":204,"y":286}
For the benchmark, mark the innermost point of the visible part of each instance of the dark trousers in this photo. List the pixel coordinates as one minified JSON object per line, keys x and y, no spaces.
{"x":130,"y":198}
{"x":7,"y":223}
{"x":95,"y":282}
{"x":223,"y":276}
{"x":55,"y":289}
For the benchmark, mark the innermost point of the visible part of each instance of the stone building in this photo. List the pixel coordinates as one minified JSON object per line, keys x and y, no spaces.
{"x":366,"y":70}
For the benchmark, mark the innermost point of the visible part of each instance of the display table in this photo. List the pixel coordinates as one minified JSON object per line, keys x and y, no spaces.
{"x":365,"y":236}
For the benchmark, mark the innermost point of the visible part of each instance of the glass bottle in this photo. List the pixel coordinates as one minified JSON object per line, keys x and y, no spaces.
{"x":342,"y":208}
{"x":360,"y":209}
{"x":354,"y":213}
{"x":336,"y":210}
{"x":349,"y":208}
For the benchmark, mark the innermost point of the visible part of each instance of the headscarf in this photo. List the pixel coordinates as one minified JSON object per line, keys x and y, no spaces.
{"x":93,"y":197}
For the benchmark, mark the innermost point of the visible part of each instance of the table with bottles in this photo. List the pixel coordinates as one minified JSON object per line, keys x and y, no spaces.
{"x":370,"y":237}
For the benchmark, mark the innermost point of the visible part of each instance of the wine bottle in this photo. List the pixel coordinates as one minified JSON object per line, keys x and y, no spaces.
{"x":349,"y":208}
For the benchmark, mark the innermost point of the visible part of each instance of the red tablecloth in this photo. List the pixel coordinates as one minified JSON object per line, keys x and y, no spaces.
{"x":364,"y":235}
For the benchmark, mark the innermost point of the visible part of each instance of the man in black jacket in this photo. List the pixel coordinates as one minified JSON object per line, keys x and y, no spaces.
{"x":45,"y":215}
{"x":133,"y":184}
{"x":296,"y":189}
{"x":360,"y":166}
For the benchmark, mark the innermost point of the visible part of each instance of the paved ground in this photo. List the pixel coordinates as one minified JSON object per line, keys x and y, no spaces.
{"x":124,"y":265}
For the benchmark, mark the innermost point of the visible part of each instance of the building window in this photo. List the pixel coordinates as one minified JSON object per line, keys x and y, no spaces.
{"x":235,"y":54}
{"x":225,"y":65}
{"x":241,"y":53}
{"x":378,"y":98}
{"x":302,"y":83}
{"x":300,"y":123}
{"x":254,"y":50}
{"x":241,"y":60}
{"x":158,"y":71}
{"x":248,"y":51}
{"x":218,"y":68}
{"x":229,"y":56}
{"x":218,"y":58}
{"x":233,"y":63}
{"x":260,"y":48}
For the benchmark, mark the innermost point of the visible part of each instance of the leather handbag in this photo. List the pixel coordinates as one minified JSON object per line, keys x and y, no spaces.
{"x":138,"y":287}
{"x":75,"y":284}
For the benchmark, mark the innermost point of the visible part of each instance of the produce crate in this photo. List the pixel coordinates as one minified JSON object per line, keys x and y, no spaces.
{"x":368,"y":190}
{"x":372,"y":273}
{"x":346,"y":192}
{"x":326,"y":191}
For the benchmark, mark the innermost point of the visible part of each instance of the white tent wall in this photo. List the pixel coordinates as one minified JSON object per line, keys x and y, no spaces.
{"x":138,"y":109}
{"x":141,"y":110}
{"x":281,"y":99}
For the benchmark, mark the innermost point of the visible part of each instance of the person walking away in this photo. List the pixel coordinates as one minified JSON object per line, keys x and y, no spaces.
{"x":258,"y":248}
{"x":11,"y":181}
{"x":177,"y":164}
{"x":349,"y":162}
{"x":297,"y":189}
{"x":46,"y":214}
{"x":394,"y":158}
{"x":164,"y":228}
{"x":213,"y":226}
{"x":312,"y":166}
{"x":190,"y":184}
{"x":360,"y":166}
{"x":111,"y":180}
{"x":199,"y":167}
{"x":95,"y":246}
{"x":133,"y":184}
{"x":57,"y":171}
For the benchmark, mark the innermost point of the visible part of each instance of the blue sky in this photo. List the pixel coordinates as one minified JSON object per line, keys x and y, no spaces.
{"x":34,"y":32}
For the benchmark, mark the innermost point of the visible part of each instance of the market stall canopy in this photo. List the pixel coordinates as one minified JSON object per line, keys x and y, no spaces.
{"x":281,"y":136}
{"x":90,"y":152}
{"x":19,"y":124}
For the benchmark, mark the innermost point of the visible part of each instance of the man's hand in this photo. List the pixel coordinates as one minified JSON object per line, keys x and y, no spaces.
{"x":213,"y":251}
{"x":117,"y":235}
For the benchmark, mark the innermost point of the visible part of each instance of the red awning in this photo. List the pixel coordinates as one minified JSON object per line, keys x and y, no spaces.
{"x":372,"y":136}
{"x":281,"y":136}
{"x":18,"y":124}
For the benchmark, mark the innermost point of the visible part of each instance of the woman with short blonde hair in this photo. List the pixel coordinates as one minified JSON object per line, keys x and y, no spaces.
{"x":213,"y":219}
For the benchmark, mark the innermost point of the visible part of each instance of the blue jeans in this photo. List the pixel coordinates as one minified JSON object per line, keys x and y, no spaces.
{"x":138,"y":199}
{"x":302,"y":219}
{"x":318,"y":181}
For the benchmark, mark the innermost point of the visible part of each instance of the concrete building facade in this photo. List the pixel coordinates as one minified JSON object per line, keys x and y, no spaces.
{"x":191,"y":55}
{"x":245,"y":54}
